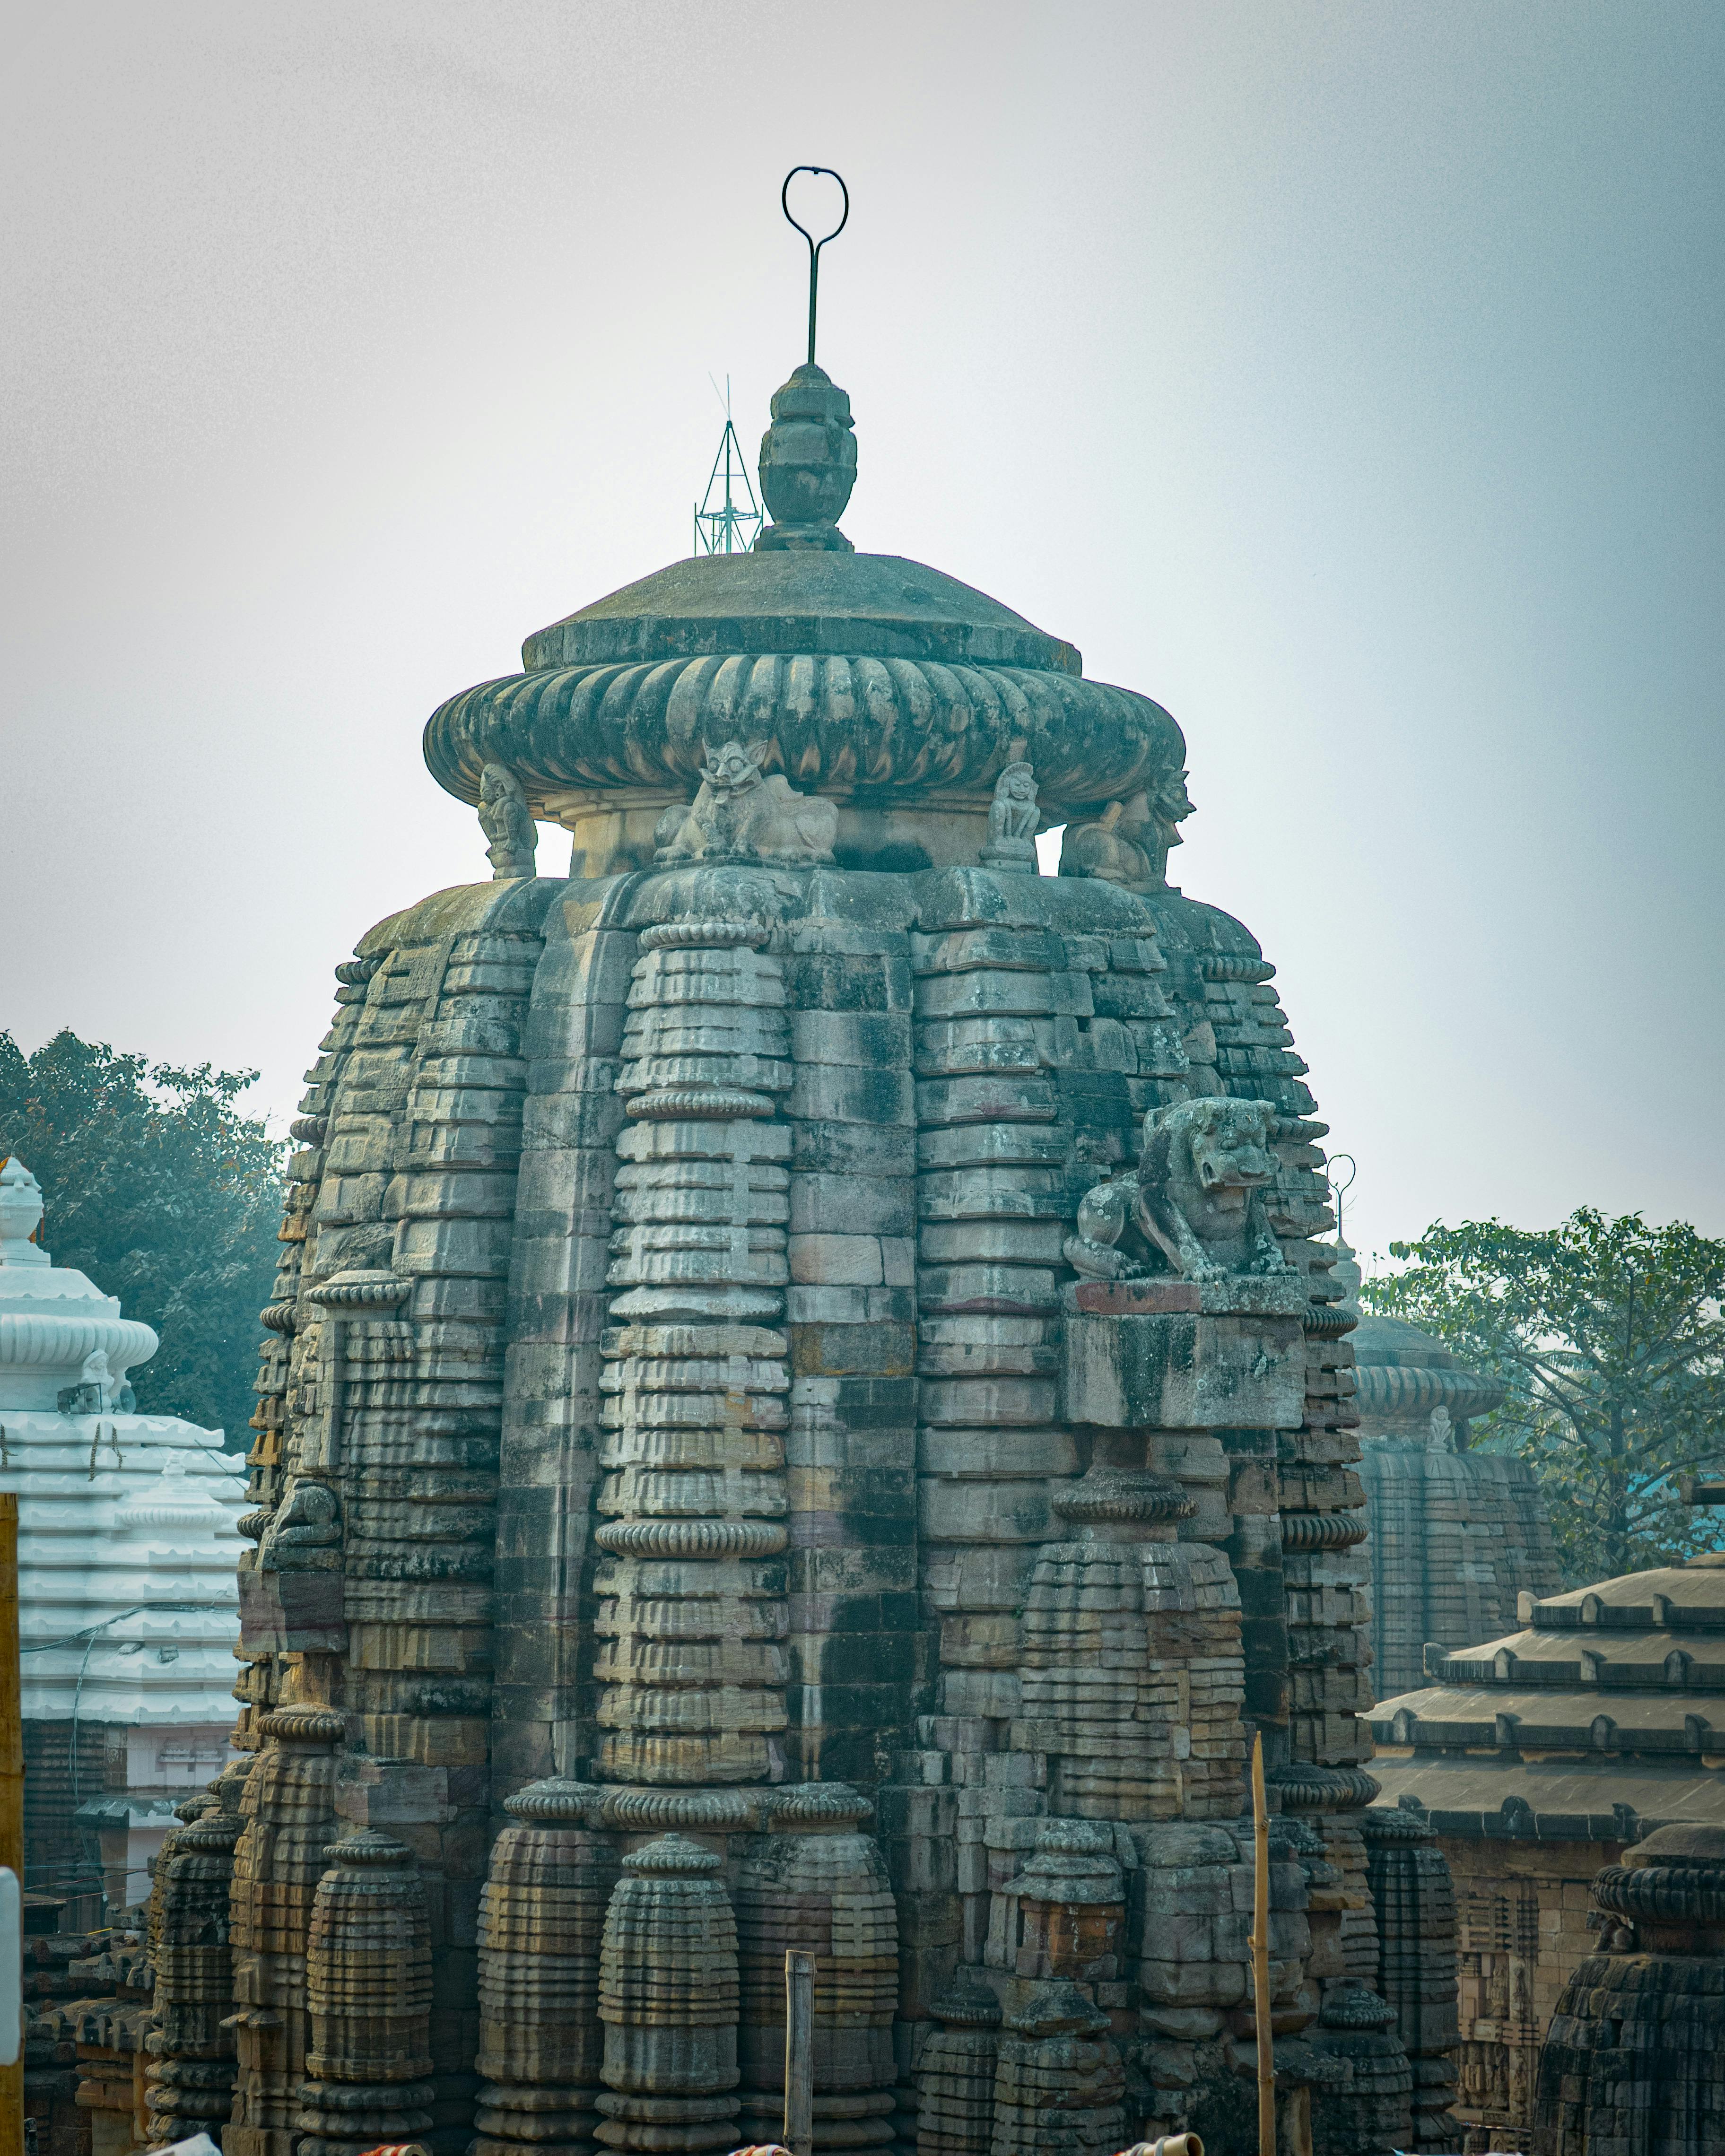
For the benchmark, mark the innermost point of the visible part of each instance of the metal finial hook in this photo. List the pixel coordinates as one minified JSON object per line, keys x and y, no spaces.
{"x":825,"y":172}
{"x":1338,"y":1188}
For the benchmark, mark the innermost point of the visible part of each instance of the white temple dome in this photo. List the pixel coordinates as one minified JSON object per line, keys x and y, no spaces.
{"x":53,"y":1319}
{"x":128,"y":1604}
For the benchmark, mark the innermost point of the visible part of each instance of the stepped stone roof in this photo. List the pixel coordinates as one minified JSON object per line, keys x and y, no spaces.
{"x":1608,"y":1701}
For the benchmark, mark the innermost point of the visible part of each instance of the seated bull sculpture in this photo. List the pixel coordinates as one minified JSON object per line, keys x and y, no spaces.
{"x":739,"y":813}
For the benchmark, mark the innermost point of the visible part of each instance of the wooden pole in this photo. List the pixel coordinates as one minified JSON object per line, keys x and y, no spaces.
{"x":12,"y":1784}
{"x":1260,"y":1955}
{"x":798,"y":2052}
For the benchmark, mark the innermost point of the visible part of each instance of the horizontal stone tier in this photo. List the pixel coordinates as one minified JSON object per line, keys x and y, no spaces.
{"x":840,"y":725}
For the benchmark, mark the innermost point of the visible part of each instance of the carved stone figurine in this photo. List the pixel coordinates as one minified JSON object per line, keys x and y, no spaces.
{"x":95,"y":1392}
{"x":1170,"y":805}
{"x":1196,"y":1198}
{"x":1129,"y":842}
{"x":1013,"y":818}
{"x":507,"y":823}
{"x":306,"y":1528}
{"x":739,"y":811}
{"x":1112,"y":848}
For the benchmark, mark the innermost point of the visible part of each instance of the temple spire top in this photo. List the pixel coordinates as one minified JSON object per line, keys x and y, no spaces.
{"x":809,"y":454}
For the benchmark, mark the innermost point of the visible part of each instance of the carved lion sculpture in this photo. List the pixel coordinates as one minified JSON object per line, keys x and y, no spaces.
{"x":738,"y":812}
{"x":305,"y":1533}
{"x":1195,"y":1202}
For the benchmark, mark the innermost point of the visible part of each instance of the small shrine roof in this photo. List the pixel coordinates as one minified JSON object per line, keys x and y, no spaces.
{"x":1603,"y":1799}
{"x":1619,"y":1683}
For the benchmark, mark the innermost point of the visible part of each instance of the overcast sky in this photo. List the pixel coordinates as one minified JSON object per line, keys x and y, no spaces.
{"x":1345,"y":377}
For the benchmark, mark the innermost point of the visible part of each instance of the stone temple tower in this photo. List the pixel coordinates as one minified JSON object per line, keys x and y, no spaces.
{"x":804,"y":1410}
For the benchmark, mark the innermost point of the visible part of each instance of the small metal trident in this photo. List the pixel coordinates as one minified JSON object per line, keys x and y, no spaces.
{"x":1340,"y":1185}
{"x":821,"y":171}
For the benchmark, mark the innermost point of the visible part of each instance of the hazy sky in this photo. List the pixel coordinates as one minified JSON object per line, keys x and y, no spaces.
{"x":1345,"y":377}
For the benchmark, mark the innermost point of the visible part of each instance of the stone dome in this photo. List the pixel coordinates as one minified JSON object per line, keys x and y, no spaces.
{"x":891,"y":688}
{"x":1402,"y":1373}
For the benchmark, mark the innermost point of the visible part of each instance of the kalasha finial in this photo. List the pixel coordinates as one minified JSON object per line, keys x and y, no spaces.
{"x":809,"y":454}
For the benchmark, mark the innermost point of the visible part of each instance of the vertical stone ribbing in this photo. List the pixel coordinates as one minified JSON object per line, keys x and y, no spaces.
{"x":1414,"y":1899}
{"x":1457,"y":1538}
{"x":192,"y":2069}
{"x":260,"y":1686}
{"x":691,"y":1667}
{"x":551,"y":1430}
{"x":991,"y":1204}
{"x":376,"y":1523}
{"x":855,"y":1644}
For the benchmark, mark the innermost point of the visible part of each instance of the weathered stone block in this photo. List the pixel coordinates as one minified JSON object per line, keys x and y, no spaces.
{"x":1184,"y":1372}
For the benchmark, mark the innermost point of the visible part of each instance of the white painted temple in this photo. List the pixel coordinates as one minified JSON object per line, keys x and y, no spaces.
{"x":128,"y":1612}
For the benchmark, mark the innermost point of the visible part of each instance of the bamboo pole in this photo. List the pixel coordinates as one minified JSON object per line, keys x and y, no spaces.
{"x":12,"y":1785}
{"x":798,"y":2052}
{"x":1260,"y":1954}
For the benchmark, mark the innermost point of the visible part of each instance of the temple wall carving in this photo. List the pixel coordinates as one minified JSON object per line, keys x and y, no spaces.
{"x":683,"y":1421}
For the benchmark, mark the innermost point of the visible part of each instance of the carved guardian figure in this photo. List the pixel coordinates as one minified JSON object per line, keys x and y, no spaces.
{"x":1130,"y":842}
{"x":1112,"y":848}
{"x":738,"y":812}
{"x":1013,"y":818}
{"x":1196,"y":1200}
{"x":507,"y":822}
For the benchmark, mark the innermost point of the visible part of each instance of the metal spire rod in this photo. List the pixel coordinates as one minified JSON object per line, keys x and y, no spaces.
{"x":822,"y":172}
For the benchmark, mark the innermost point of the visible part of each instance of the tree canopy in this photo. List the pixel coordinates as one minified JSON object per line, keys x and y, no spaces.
{"x":1609,"y":1335}
{"x":157,"y":1186}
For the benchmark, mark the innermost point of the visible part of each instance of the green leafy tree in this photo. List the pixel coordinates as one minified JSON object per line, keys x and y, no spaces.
{"x":1608,"y":1337}
{"x":157,"y":1186}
